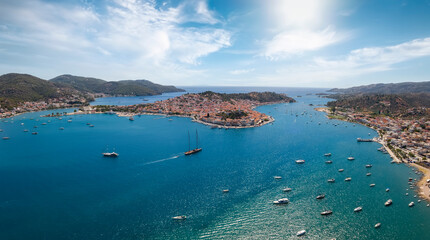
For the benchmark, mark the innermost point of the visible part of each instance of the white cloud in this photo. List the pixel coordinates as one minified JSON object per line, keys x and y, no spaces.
{"x":300,"y":26}
{"x":298,"y":41}
{"x":241,"y":71}
{"x":134,"y":33}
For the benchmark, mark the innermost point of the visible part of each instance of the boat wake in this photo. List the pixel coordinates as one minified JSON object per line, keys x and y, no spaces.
{"x":162,"y":160}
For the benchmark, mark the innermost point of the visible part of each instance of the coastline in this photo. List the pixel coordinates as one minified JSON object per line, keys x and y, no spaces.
{"x":422,"y":185}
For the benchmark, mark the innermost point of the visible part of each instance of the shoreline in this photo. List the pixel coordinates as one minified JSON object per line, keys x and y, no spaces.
{"x":422,"y":185}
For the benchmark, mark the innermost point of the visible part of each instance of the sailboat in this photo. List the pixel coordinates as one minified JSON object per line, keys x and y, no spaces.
{"x":195,"y":150}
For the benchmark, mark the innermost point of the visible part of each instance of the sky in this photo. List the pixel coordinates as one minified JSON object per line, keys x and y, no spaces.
{"x":291,"y":43}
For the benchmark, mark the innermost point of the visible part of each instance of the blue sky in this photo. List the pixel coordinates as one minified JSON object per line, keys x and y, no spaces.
{"x":306,"y":43}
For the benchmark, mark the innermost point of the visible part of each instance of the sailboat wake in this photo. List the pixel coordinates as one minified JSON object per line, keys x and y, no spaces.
{"x":162,"y":160}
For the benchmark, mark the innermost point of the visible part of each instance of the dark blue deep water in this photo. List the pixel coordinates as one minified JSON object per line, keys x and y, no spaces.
{"x":56,"y":185}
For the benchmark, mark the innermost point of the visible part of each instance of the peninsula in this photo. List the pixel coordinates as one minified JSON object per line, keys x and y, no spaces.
{"x":215,"y":109}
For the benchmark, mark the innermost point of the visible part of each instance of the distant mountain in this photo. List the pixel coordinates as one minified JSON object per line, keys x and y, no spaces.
{"x":124,"y":87}
{"x":390,"y":88}
{"x":16,"y":88}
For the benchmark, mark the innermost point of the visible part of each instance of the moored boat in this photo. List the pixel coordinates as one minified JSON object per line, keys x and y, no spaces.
{"x":341,"y":170}
{"x":372,"y":185}
{"x":331,"y":180}
{"x":110,"y":154}
{"x":327,"y":154}
{"x":388,"y":202}
{"x":281,"y":201}
{"x":348,"y":179}
{"x":358,"y":209}
{"x":368,"y":165}
{"x":368,"y":174}
{"x":179,"y":217}
{"x":287,"y":189}
{"x":300,"y":161}
{"x":351,"y":158}
{"x":301,"y":233}
{"x":277,"y":177}
{"x":411,"y":204}
{"x":377,"y":225}
{"x":321,"y":196}
{"x":328,"y":162}
{"x":328,"y":212}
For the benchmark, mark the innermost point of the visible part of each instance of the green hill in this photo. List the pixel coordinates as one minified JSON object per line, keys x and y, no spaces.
{"x":390,"y":88}
{"x":16,"y":88}
{"x":121,"y":88}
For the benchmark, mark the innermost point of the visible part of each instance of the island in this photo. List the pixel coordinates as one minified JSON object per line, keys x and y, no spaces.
{"x":235,"y":110}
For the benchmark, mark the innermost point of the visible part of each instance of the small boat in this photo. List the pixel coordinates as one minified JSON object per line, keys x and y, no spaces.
{"x":43,"y":123}
{"x":428,"y":205}
{"x":301,"y":233}
{"x":392,"y":161}
{"x":368,"y":174}
{"x":300,"y":161}
{"x":388,"y":202}
{"x":331,"y":180}
{"x":372,"y":185}
{"x":110,"y":154}
{"x":341,"y":170}
{"x":179,"y":217}
{"x":34,"y":133}
{"x":277,"y":177}
{"x":368,"y":165}
{"x":225,"y":191}
{"x":6,"y":138}
{"x":281,"y":201}
{"x":34,"y":126}
{"x":69,"y":120}
{"x":131,"y":118}
{"x":407,"y":194}
{"x":91,"y":125}
{"x":328,"y":212}
{"x":327,"y":154}
{"x":88,"y":123}
{"x":351,"y":158}
{"x":321,"y":196}
{"x":411,"y":204}
{"x":61,"y":128}
{"x":387,"y":190}
{"x":358,"y":209}
{"x":419,"y":200}
{"x":377,"y":225}
{"x":348,"y":179}
{"x":328,"y":162}
{"x":287,"y":189}
{"x":25,"y":130}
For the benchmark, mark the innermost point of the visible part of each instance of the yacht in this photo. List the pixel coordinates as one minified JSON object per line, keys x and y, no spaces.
{"x":407,"y":194}
{"x":301,"y":233}
{"x":300,"y":161}
{"x":341,"y":170}
{"x":358,"y":209}
{"x":372,"y":185}
{"x":411,"y":204}
{"x":368,"y":174}
{"x":195,"y":150}
{"x":277,"y":177}
{"x":110,"y":154}
{"x":331,"y":180}
{"x":281,"y":201}
{"x":387,"y":190}
{"x":328,"y":212}
{"x":377,"y":225}
{"x":328,"y":162}
{"x":327,"y":154}
{"x":287,"y":189}
{"x":368,"y":165}
{"x":225,"y":191}
{"x":388,"y":202}
{"x":321,"y":196}
{"x":179,"y":217}
{"x":348,"y":179}
{"x":351,"y":158}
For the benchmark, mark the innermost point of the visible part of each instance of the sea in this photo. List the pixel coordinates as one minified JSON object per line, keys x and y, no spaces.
{"x":57,"y":184}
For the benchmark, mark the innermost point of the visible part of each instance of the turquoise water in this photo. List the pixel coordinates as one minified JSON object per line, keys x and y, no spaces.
{"x":56,"y":185}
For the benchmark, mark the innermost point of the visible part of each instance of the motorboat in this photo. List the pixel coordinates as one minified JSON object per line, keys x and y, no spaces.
{"x":287,"y":189}
{"x":321,"y":196}
{"x":110,"y":154}
{"x":281,"y":201}
{"x":225,"y":191}
{"x":411,"y":204}
{"x":277,"y":177}
{"x":328,"y":162}
{"x":368,"y":174}
{"x":372,"y":185}
{"x":328,"y":212}
{"x":358,"y":209}
{"x":327,"y":154}
{"x":348,"y":179}
{"x":388,"y":202}
{"x":377,"y":225}
{"x":179,"y":217}
{"x":331,"y":180}
{"x":341,"y":170}
{"x":387,"y":190}
{"x":368,"y":165}
{"x":351,"y":158}
{"x":300,"y":161}
{"x":301,"y":233}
